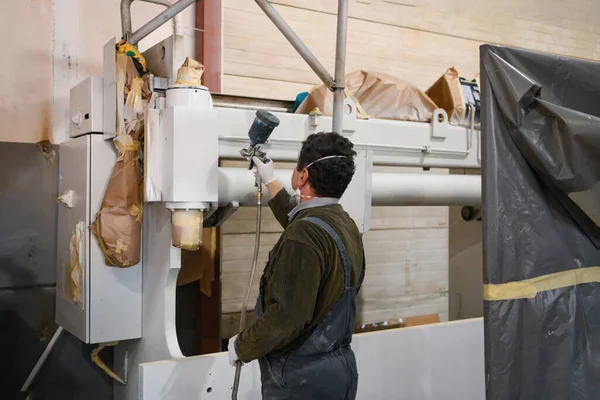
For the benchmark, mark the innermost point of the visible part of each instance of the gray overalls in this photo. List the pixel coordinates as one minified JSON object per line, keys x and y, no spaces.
{"x":324,"y":367}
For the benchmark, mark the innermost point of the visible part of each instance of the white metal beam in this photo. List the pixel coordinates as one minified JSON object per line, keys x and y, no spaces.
{"x":397,"y":143}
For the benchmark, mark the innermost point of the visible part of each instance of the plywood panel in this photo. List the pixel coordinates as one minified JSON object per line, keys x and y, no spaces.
{"x":415,"y":41}
{"x":406,"y":251}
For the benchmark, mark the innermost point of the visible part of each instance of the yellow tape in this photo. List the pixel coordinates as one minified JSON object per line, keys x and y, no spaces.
{"x":529,"y":288}
{"x":135,"y":146}
{"x":121,"y":246}
{"x":96,"y":360}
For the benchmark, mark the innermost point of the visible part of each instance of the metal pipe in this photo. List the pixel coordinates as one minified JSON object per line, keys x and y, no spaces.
{"x":126,"y":15}
{"x":340,"y":66}
{"x":167,"y":3}
{"x":387,"y":188}
{"x":126,"y":18}
{"x":40,"y":362}
{"x":296,"y":42}
{"x":238,"y":365}
{"x":159,"y":20}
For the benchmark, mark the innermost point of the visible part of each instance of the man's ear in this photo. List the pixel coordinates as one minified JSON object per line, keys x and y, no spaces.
{"x":303,"y":177}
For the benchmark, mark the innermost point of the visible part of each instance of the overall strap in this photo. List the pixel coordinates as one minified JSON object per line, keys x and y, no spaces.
{"x":338,"y":241}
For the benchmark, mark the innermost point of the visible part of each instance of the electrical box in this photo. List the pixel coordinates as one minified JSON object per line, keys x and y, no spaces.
{"x":94,"y":302}
{"x":86,"y":107}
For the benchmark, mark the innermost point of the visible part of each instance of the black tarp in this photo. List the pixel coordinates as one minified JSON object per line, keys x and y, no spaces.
{"x":541,"y":168}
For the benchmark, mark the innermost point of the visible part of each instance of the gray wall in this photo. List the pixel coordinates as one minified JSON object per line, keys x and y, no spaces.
{"x":28,"y":213}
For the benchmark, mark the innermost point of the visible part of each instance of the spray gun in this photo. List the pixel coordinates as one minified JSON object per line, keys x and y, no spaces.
{"x":259,"y":132}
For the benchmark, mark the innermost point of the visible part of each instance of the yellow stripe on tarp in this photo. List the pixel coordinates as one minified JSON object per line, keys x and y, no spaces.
{"x":529,"y":288}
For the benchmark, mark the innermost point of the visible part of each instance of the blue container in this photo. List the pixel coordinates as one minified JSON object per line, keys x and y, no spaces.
{"x":262,"y":127}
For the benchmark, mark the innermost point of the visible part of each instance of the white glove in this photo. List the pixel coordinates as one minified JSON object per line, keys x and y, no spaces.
{"x":265,"y":171}
{"x":233,"y":357}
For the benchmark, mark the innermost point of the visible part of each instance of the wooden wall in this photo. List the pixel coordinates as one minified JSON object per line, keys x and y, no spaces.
{"x":416,"y":40}
{"x":407,"y":261}
{"x":413,"y":40}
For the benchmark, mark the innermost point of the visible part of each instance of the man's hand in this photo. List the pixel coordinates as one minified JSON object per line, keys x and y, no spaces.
{"x":233,"y":357}
{"x":265,"y":171}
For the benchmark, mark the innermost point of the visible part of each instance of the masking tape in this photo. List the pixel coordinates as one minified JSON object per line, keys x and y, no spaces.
{"x":134,"y":210}
{"x":74,"y":275}
{"x":96,"y":360}
{"x":134,"y":145}
{"x":121,"y":246}
{"x":190,"y":227}
{"x":529,"y":288}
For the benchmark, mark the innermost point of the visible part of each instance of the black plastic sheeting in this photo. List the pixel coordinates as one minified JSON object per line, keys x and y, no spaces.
{"x":541,"y":168}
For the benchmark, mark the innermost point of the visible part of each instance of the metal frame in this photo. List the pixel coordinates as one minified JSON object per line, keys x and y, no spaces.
{"x":337,"y":85}
{"x":171,"y":12}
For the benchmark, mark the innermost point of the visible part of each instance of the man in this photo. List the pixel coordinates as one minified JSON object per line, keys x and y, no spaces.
{"x":307,"y":300}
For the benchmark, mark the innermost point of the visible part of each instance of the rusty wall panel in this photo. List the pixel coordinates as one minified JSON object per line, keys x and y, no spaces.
{"x":27,"y":317}
{"x":28,"y":192}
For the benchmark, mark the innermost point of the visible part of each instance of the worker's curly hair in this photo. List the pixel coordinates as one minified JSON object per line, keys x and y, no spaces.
{"x":330,"y":177}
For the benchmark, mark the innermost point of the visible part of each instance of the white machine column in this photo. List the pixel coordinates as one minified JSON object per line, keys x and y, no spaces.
{"x":181,"y":184}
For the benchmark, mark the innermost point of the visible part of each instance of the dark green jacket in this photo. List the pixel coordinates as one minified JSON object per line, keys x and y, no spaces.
{"x":304,"y":279}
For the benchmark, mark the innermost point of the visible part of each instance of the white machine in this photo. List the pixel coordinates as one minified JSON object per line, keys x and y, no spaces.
{"x":185,"y":137}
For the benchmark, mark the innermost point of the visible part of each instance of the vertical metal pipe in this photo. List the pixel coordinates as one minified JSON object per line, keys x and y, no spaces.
{"x":126,"y":17}
{"x":296,"y":42}
{"x":340,"y":66}
{"x":159,"y":20}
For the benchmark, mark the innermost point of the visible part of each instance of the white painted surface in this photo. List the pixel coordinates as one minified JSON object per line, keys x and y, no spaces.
{"x":431,"y":362}
{"x":393,"y":142}
{"x":74,"y":175}
{"x":193,"y":97}
{"x":115,"y":295}
{"x":191,"y":149}
{"x":161,"y":264}
{"x":112,"y":297}
{"x":86,"y":104}
{"x":427,"y":190}
{"x":387,"y":189}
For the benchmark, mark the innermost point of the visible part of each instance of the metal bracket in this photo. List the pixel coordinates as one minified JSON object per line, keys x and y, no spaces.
{"x":157,"y":83}
{"x":220,"y":215}
{"x":439,"y":124}
{"x":349,"y":118}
